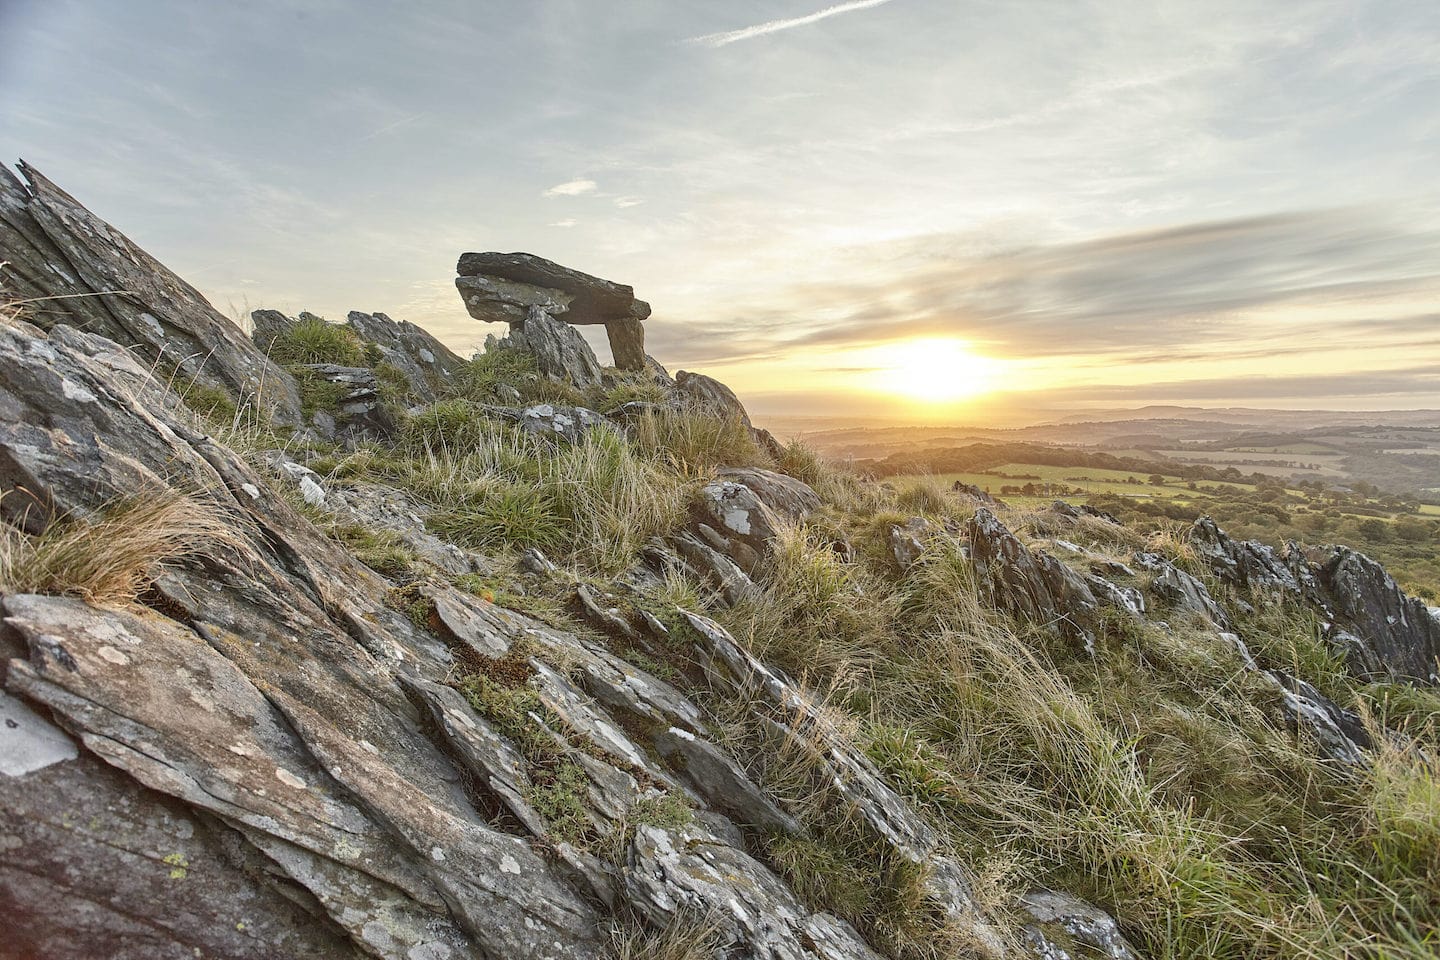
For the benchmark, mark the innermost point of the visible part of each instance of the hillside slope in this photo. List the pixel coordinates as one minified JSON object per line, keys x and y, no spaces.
{"x":350,"y":647}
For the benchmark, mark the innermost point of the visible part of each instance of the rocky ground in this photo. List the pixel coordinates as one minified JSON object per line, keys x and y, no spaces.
{"x":321,"y":716}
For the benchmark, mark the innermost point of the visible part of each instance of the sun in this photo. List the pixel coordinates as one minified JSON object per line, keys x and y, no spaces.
{"x":933,"y":369}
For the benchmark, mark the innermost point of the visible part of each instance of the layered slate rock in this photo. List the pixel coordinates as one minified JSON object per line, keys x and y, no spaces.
{"x":248,"y":703}
{"x":740,"y":514}
{"x":560,"y":352}
{"x":84,"y":273}
{"x":428,"y":365}
{"x":267,"y":760}
{"x":1382,"y":633}
{"x":512,"y":287}
{"x":358,"y":410}
{"x":1034,"y":587}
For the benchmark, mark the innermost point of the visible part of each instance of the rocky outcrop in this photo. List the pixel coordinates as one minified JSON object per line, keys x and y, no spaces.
{"x":264,"y":759}
{"x":348,"y":401}
{"x":741,"y":513}
{"x":1034,"y":587}
{"x":710,"y":396}
{"x":787,"y":496}
{"x":560,"y":352}
{"x":1382,"y":633}
{"x":1180,"y":591}
{"x":1249,"y":565}
{"x":507,"y":287}
{"x":428,"y":366}
{"x":82,"y":272}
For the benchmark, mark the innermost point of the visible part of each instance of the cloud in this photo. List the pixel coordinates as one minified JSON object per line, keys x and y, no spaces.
{"x":623,"y":202}
{"x":571,"y":188}
{"x":1412,"y":381}
{"x":775,"y":26}
{"x":1194,"y":288}
{"x":568,"y":222}
{"x":391,"y":127}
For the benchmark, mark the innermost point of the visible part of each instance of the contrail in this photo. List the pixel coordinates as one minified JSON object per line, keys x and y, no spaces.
{"x":774,"y":26}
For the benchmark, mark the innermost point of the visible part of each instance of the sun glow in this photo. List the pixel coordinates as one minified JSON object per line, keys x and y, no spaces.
{"x":935,"y":370}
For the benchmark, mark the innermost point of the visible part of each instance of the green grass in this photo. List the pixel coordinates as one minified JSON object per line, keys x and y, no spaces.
{"x":597,"y":500}
{"x":1157,"y":778}
{"x":316,"y":341}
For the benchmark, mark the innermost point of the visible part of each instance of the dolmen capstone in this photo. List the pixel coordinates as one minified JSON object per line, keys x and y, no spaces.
{"x":514,"y":287}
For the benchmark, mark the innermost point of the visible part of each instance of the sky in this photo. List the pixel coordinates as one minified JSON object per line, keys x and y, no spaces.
{"x":926,"y":208}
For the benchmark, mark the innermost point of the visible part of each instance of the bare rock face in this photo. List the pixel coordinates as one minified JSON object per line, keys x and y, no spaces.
{"x":1382,"y":633}
{"x":1034,"y":587}
{"x":429,"y":365}
{"x":740,"y":514}
{"x":559,"y":350}
{"x":88,"y":275}
{"x":710,"y":395}
{"x":784,"y":494}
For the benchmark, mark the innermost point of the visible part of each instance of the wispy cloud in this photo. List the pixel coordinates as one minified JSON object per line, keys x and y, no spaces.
{"x":571,"y":188}
{"x":566,"y":223}
{"x":775,"y":26}
{"x":623,"y":202}
{"x":389,"y":127}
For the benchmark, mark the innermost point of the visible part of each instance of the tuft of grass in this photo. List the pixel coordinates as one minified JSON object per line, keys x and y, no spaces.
{"x":112,"y":555}
{"x":505,"y":513}
{"x":379,"y":549}
{"x":211,"y":404}
{"x":687,"y":936}
{"x":629,"y":388}
{"x":802,"y":463}
{"x":597,"y":500}
{"x":485,"y":373}
{"x":693,"y":443}
{"x":313,"y":340}
{"x":926,"y":495}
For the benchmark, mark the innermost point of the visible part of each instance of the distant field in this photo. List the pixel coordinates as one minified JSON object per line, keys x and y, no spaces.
{"x":1099,"y":480}
{"x":1267,"y":459}
{"x":1089,"y":479}
{"x":1299,"y":447}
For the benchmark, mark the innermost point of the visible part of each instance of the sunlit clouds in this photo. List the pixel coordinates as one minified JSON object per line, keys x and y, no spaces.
{"x":571,"y":188}
{"x":1106,"y":203}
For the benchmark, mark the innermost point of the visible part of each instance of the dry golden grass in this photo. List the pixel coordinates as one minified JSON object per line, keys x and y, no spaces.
{"x":110,"y":556}
{"x":686,"y":937}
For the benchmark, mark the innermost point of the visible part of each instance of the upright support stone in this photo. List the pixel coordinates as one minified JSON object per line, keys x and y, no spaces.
{"x":627,"y":343}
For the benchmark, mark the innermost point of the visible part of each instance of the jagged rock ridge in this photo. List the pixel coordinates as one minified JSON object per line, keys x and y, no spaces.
{"x":269,"y":753}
